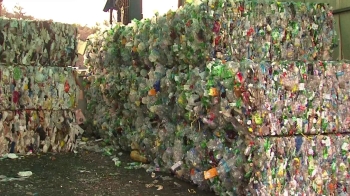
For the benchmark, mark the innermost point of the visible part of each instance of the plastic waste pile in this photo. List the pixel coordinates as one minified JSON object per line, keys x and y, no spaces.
{"x":38,"y":91}
{"x":237,"y":96}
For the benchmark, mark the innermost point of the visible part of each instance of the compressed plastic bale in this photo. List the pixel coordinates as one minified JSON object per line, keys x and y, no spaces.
{"x":38,"y":131}
{"x":309,"y":165}
{"x":302,"y":89}
{"x":273,"y":31}
{"x":29,"y":87}
{"x":209,"y":101}
{"x":38,"y":91}
{"x":44,"y":43}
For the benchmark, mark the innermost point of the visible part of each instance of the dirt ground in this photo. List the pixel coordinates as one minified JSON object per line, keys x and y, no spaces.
{"x":85,"y":173}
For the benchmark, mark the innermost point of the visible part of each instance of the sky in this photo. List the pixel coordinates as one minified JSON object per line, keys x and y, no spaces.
{"x":84,"y":12}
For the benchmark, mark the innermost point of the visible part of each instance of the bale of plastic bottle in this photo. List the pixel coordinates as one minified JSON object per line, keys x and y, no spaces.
{"x":201,"y":90}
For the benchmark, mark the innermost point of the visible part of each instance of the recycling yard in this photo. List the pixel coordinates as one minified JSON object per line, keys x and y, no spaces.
{"x":218,"y":97}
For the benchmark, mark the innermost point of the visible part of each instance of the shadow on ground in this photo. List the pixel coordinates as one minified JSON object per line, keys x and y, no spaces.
{"x":85,"y":173}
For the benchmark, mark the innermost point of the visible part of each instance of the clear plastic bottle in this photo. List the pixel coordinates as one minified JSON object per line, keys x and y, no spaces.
{"x":197,"y":177}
